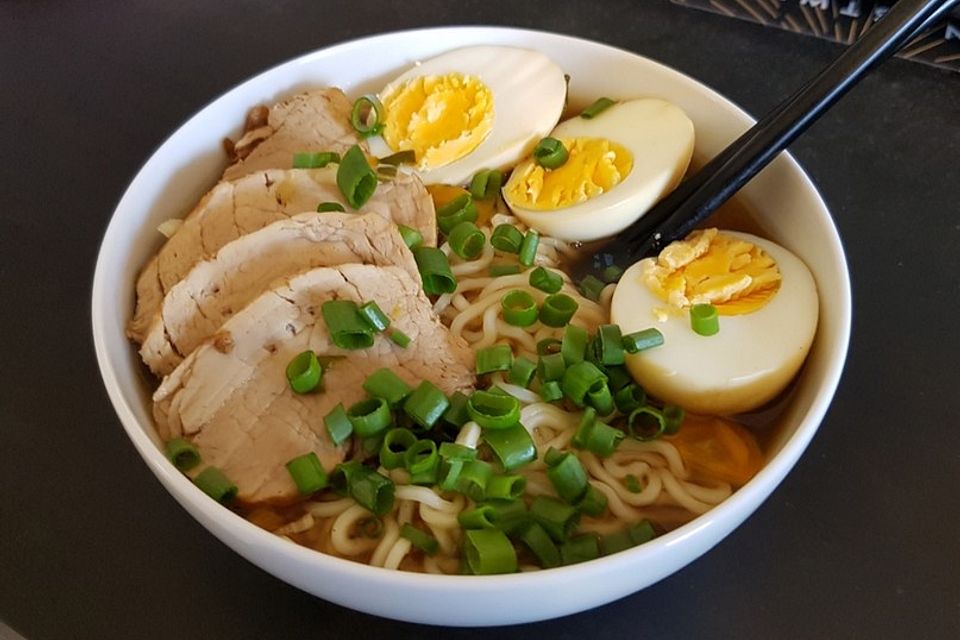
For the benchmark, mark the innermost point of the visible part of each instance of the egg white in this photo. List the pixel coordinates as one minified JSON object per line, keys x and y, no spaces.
{"x":746,"y":364}
{"x":659,"y":136}
{"x":529,"y":91}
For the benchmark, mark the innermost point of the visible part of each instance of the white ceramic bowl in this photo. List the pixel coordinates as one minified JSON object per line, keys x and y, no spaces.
{"x":191,"y":159}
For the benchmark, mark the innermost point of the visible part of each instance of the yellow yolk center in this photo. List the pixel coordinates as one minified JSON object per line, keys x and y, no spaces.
{"x":708,"y":267}
{"x":442,"y":118}
{"x":593,"y":166}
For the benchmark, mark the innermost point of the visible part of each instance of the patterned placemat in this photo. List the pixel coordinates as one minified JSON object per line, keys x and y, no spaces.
{"x":842,"y":21}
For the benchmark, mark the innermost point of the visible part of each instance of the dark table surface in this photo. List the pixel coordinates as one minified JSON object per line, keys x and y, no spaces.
{"x":859,"y":541}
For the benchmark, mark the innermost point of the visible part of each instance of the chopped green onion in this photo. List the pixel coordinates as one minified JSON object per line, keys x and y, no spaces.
{"x":384,"y":383}
{"x":499,"y":357}
{"x":489,"y":551}
{"x":611,"y":274}
{"x":593,"y":503}
{"x":553,"y":456}
{"x":325,"y":207}
{"x":521,"y":373}
{"x":548,"y":345}
{"x":394,"y":448}
{"x":357,"y":181}
{"x":519,"y":308}
{"x":370,"y":417}
{"x":182,"y":454}
{"x":399,"y":338}
{"x":704,"y":319}
{"x":485,"y":185}
{"x":574,"y":344}
{"x":595,"y":109}
{"x":601,"y":400}
{"x":304,"y":372}
{"x":629,"y":398}
{"x":434,"y":270}
{"x":338,"y":425}
{"x":545,"y":280}
{"x":420,"y":539}
{"x":308,"y":474}
{"x":557,"y":518}
{"x":371,"y":446}
{"x":602,"y":439}
{"x":348,"y":329}
{"x":646,"y":423}
{"x":619,"y":377}
{"x":506,"y":238}
{"x":672,"y":419}
{"x":642,"y":532}
{"x":460,"y":209}
{"x":580,"y":379}
{"x":426,"y":404}
{"x":537,"y":540}
{"x":411,"y":237}
{"x":580,"y":549}
{"x":449,"y":474}
{"x":344,"y":473}
{"x":568,"y":477}
{"x":216,"y":485}
{"x":558,"y":309}
{"x":632,"y":483}
{"x":510,"y":516}
{"x":407,"y":156}
{"x":505,"y":487}
{"x":551,"y":367}
{"x":454,"y":451}
{"x":466,"y":240}
{"x":641,"y":340}
{"x":372,"y":491}
{"x":610,"y":344}
{"x":367,"y":116}
{"x":582,"y":434}
{"x":316,"y":160}
{"x":492,"y":410}
{"x":497,"y":270}
{"x":513,"y":446}
{"x":422,"y":461}
{"x":371,"y":527}
{"x":386,"y":171}
{"x":457,"y":414}
{"x":473,"y":479}
{"x":591,"y":287}
{"x":551,"y":391}
{"x":377,"y":319}
{"x":550,"y":153}
{"x":528,"y":248}
{"x":479,"y":518}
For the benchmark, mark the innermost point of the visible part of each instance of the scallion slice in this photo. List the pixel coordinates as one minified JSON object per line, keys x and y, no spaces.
{"x":593,"y":503}
{"x":326,"y":207}
{"x":394,"y":447}
{"x":420,"y":539}
{"x":574,"y":344}
{"x":356,"y":180}
{"x":548,"y":345}
{"x":399,"y":338}
{"x":473,"y":478}
{"x":407,"y":156}
{"x":348,"y":329}
{"x":499,"y":357}
{"x":642,"y":340}
{"x":489,"y":551}
{"x":485,"y":185}
{"x":460,"y":209}
{"x":704,"y":319}
{"x":629,"y":398}
{"x":182,"y":454}
{"x":307,"y":473}
{"x":512,"y":446}
{"x":580,"y":379}
{"x":672,"y":418}
{"x":316,"y":160}
{"x":521,"y":373}
{"x":632,"y":483}
{"x":506,"y":238}
{"x":642,"y":532}
{"x":601,"y":399}
{"x":497,"y":270}
{"x":377,"y":319}
{"x":580,"y":549}
{"x":466,"y":240}
{"x":492,"y":410}
{"x":411,"y":237}
{"x":545,"y":280}
{"x":505,"y":487}
{"x":537,"y":540}
{"x":528,"y":248}
{"x":611,"y":274}
{"x":479,"y":518}
{"x":519,"y":308}
{"x":385,"y":384}
{"x":367,"y":116}
{"x":550,"y":391}
{"x":422,"y":461}
{"x":591,"y":287}
{"x":370,"y":417}
{"x":510,"y":516}
{"x":557,"y":518}
{"x":434,"y":271}
{"x":215,"y":484}
{"x":304,"y":372}
{"x":454,"y":451}
{"x":456,"y":414}
{"x":618,"y":377}
{"x":558,"y":309}
{"x":551,"y":367}
{"x":372,"y":491}
{"x":426,"y":404}
{"x":338,"y":425}
{"x":610,"y":344}
{"x":550,"y":153}
{"x":646,"y":423}
{"x":568,"y":477}
{"x":595,"y":109}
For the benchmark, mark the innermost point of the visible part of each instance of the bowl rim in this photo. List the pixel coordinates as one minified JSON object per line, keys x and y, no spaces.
{"x":247,"y":535}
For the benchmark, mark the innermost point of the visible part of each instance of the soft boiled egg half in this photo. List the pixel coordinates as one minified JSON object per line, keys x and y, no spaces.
{"x":471,"y":109}
{"x":768,"y":309}
{"x":620,"y":163}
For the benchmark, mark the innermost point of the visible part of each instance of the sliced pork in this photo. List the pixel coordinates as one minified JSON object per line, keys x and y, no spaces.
{"x":230,"y":396}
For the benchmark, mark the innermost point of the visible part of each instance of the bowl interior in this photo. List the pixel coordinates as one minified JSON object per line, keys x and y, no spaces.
{"x":788,"y":210}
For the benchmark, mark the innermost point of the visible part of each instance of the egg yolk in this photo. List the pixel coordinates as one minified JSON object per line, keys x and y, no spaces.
{"x":593,"y":166}
{"x":441,"y":118}
{"x":708,"y":267}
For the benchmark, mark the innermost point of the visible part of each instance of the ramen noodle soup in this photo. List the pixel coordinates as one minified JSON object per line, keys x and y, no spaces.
{"x":367,"y":342}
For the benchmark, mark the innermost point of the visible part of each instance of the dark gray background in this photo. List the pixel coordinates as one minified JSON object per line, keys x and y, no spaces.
{"x":859,"y":541}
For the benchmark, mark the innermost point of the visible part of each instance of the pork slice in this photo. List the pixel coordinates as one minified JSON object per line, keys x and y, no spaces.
{"x":233,"y":209}
{"x":317,"y":120}
{"x":215,"y":289}
{"x":233,"y":401}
